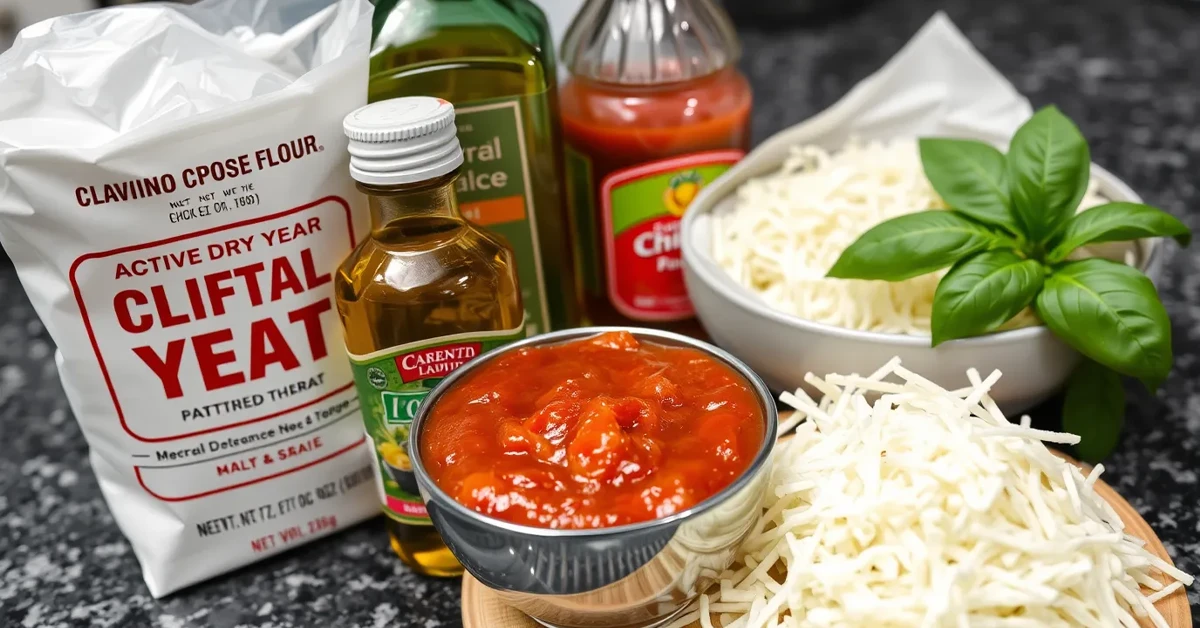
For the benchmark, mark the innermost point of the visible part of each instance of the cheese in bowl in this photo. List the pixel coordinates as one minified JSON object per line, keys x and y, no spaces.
{"x":757,"y":245}
{"x":786,"y":229}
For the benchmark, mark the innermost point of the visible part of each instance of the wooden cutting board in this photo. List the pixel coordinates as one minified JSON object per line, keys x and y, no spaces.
{"x":481,"y":608}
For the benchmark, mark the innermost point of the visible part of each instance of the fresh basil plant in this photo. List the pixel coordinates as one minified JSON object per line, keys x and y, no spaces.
{"x":1011,"y":226}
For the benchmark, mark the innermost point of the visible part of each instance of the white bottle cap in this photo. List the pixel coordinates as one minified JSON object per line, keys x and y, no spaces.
{"x":402,"y":140}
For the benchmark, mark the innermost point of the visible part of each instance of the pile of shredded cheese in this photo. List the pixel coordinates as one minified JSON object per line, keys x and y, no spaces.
{"x":787,"y":229}
{"x":926,"y":507}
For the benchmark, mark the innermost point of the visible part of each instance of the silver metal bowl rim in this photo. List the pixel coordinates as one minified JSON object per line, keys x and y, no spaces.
{"x":771,"y":418}
{"x":746,"y":303}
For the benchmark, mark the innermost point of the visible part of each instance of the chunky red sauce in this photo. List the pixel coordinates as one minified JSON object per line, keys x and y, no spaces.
{"x":597,"y":432}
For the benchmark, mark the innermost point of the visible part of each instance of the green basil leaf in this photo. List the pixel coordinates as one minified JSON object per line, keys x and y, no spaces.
{"x":970,"y":177}
{"x":1115,"y":222}
{"x":911,"y":245}
{"x":1094,"y":410}
{"x":1048,"y":169}
{"x":1110,"y":313}
{"x":982,"y":292}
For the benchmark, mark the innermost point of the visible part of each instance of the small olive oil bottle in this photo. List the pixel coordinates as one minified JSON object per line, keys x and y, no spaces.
{"x":424,"y":292}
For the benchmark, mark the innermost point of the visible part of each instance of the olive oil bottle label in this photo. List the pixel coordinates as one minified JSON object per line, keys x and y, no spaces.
{"x":640,"y":211}
{"x":391,"y":385}
{"x":495,"y":189}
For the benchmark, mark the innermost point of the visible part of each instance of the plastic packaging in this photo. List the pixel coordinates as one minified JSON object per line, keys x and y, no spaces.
{"x":174,"y":195}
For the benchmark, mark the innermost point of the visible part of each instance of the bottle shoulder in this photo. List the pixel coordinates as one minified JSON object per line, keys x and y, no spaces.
{"x":397,"y":22}
{"x":426,"y":36}
{"x":461,"y":64}
{"x":650,"y":43}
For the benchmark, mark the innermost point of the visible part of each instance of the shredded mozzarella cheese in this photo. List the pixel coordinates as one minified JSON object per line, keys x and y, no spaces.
{"x":787,"y":229}
{"x":904,"y":504}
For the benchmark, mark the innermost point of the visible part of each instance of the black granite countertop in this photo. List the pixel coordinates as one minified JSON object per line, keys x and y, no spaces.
{"x":1126,"y":71}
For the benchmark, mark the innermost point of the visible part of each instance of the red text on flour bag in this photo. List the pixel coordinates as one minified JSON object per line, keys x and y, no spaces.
{"x":240,"y":311}
{"x":254,"y":284}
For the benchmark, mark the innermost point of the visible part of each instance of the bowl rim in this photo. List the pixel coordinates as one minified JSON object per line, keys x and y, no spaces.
{"x":743,"y":299}
{"x":757,"y":465}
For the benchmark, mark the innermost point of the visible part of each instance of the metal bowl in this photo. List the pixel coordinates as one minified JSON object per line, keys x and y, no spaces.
{"x":628,"y":576}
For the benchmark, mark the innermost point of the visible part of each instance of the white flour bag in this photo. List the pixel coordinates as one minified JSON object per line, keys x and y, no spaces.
{"x":174,"y":195}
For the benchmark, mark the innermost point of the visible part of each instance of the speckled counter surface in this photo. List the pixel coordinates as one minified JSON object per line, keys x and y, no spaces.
{"x":1126,"y":71}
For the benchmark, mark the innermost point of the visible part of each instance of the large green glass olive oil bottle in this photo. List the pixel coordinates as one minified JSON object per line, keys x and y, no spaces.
{"x":494,"y":61}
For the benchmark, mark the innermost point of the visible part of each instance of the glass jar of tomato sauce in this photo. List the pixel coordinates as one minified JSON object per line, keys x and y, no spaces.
{"x":654,"y":110}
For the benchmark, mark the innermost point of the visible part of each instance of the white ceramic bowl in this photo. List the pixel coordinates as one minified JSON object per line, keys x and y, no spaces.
{"x":781,"y":347}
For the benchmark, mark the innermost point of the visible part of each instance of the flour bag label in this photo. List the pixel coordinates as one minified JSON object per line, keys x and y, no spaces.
{"x":174,"y":194}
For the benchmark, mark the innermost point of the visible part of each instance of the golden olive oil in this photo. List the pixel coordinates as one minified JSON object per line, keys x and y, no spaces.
{"x":424,"y":292}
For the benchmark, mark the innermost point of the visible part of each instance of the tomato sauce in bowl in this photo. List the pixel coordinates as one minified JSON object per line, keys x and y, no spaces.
{"x":592,"y":433}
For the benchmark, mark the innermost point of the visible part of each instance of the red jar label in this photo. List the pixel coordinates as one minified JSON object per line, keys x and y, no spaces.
{"x":641,"y":208}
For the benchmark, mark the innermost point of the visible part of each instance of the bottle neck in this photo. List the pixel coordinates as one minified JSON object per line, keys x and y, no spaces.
{"x":431,"y":198}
